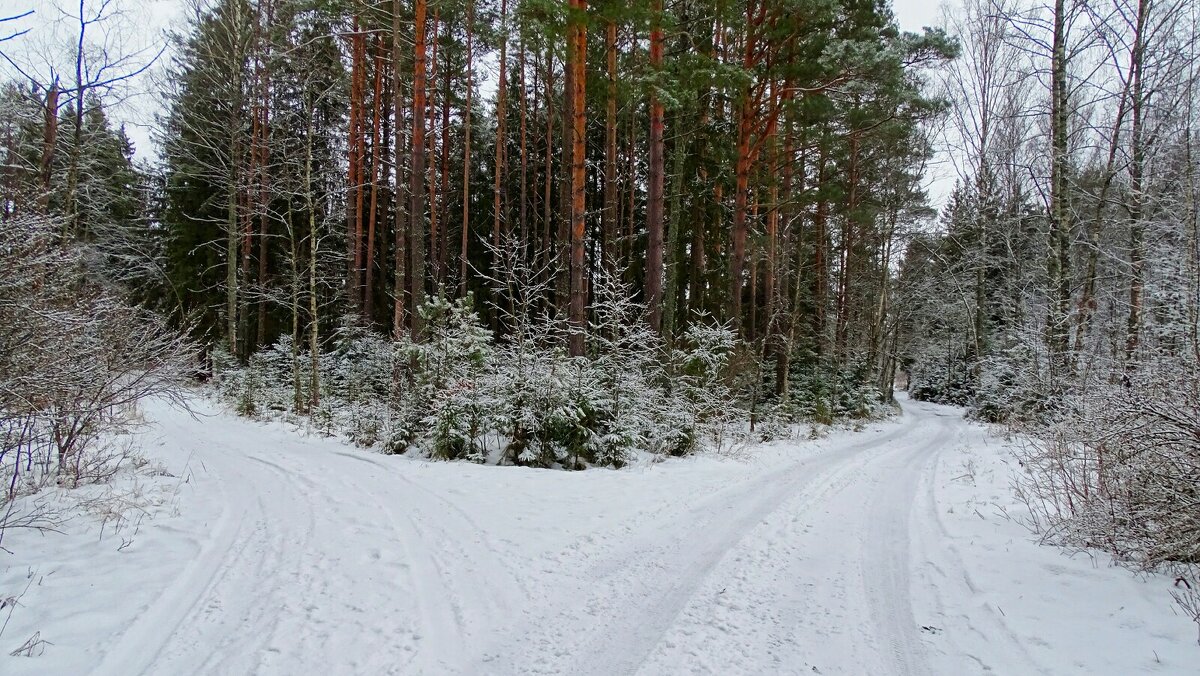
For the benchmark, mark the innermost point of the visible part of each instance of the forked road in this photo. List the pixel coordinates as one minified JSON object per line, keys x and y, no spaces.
{"x":320,"y":560}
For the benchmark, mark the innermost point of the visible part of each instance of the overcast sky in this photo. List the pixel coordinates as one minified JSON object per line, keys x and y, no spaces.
{"x":152,"y":17}
{"x":913,"y":15}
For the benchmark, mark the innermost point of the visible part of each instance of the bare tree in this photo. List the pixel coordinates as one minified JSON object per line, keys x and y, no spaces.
{"x":73,"y":361}
{"x":96,"y":64}
{"x":5,"y":37}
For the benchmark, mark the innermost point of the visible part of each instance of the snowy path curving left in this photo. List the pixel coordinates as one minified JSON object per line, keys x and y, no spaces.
{"x":296,"y":555}
{"x":330,"y":560}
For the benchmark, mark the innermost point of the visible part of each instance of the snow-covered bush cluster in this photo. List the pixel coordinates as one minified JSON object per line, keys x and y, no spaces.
{"x":1116,"y":467}
{"x":456,"y":392}
{"x":1122,"y":471}
{"x":74,"y":360}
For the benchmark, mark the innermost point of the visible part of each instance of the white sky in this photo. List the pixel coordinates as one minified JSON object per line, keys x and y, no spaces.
{"x":150,"y":18}
{"x":913,"y":15}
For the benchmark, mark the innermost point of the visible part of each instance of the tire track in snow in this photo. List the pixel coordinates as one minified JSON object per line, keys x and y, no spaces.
{"x":886,"y":564}
{"x":448,"y":558}
{"x":604,"y":659}
{"x":797,"y":489}
{"x":439,"y":631}
{"x":945,"y":572}
{"x":265,"y":598}
{"x":223,"y":626}
{"x":437,"y":584}
{"x":822,"y":585}
{"x":270,"y":574}
{"x":626,"y":602}
{"x":149,"y":638}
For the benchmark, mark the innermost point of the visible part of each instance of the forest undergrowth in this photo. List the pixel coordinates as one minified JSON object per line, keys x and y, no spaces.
{"x":456,"y":392}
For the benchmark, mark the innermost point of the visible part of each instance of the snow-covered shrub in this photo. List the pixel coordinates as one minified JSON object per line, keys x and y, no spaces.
{"x":458,"y":422}
{"x":1011,"y":384}
{"x":528,"y":388}
{"x":943,"y":379}
{"x":1121,"y":470}
{"x":952,"y":388}
{"x":322,"y":418}
{"x":266,"y":383}
{"x":450,"y":360}
{"x":74,"y":362}
{"x":534,"y":409}
{"x":623,"y":388}
{"x":357,"y":379}
{"x":822,"y":393}
{"x":1015,"y":387}
{"x":226,"y":375}
{"x":362,"y":422}
{"x":362,"y":364}
{"x":277,"y":379}
{"x":528,"y":369}
{"x":246,"y":385}
{"x":567,"y":430}
{"x":699,"y":386}
{"x":453,"y":344}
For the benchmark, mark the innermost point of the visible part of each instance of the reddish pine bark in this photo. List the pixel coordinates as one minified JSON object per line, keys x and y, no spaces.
{"x":434,"y":224}
{"x":360,"y":77}
{"x":417,"y":212}
{"x":608,"y":215}
{"x":401,"y":252}
{"x":547,"y":243}
{"x":523,"y":209}
{"x":501,"y":120}
{"x":578,"y":303}
{"x":352,"y":172}
{"x":377,"y":103}
{"x":654,"y":204}
{"x":439,"y":258}
{"x":466,"y":180}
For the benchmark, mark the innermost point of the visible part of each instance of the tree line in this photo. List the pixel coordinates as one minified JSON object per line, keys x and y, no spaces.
{"x":1060,"y":293}
{"x":737,"y":162}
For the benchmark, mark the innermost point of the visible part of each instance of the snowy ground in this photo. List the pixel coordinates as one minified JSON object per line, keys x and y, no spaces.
{"x":877,"y":552}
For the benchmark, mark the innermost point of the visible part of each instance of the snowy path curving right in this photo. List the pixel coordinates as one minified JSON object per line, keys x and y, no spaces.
{"x":746,"y":578}
{"x":884,"y":551}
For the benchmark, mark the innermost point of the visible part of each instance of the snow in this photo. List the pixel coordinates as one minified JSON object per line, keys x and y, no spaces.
{"x":883,"y":551}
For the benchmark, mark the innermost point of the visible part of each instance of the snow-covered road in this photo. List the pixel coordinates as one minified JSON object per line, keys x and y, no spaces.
{"x":298,"y":555}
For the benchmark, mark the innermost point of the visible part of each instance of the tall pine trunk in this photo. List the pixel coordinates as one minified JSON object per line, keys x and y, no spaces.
{"x":360,"y":151}
{"x":608,"y":215}
{"x":671,"y":290}
{"x":523,"y":207}
{"x":654,"y":204}
{"x":416,"y":220}
{"x":466,"y":172}
{"x":352,"y":186}
{"x":498,"y":220}
{"x":377,"y":111}
{"x":435,"y":224}
{"x":400,"y":236}
{"x":440,"y":259}
{"x":578,"y":303}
